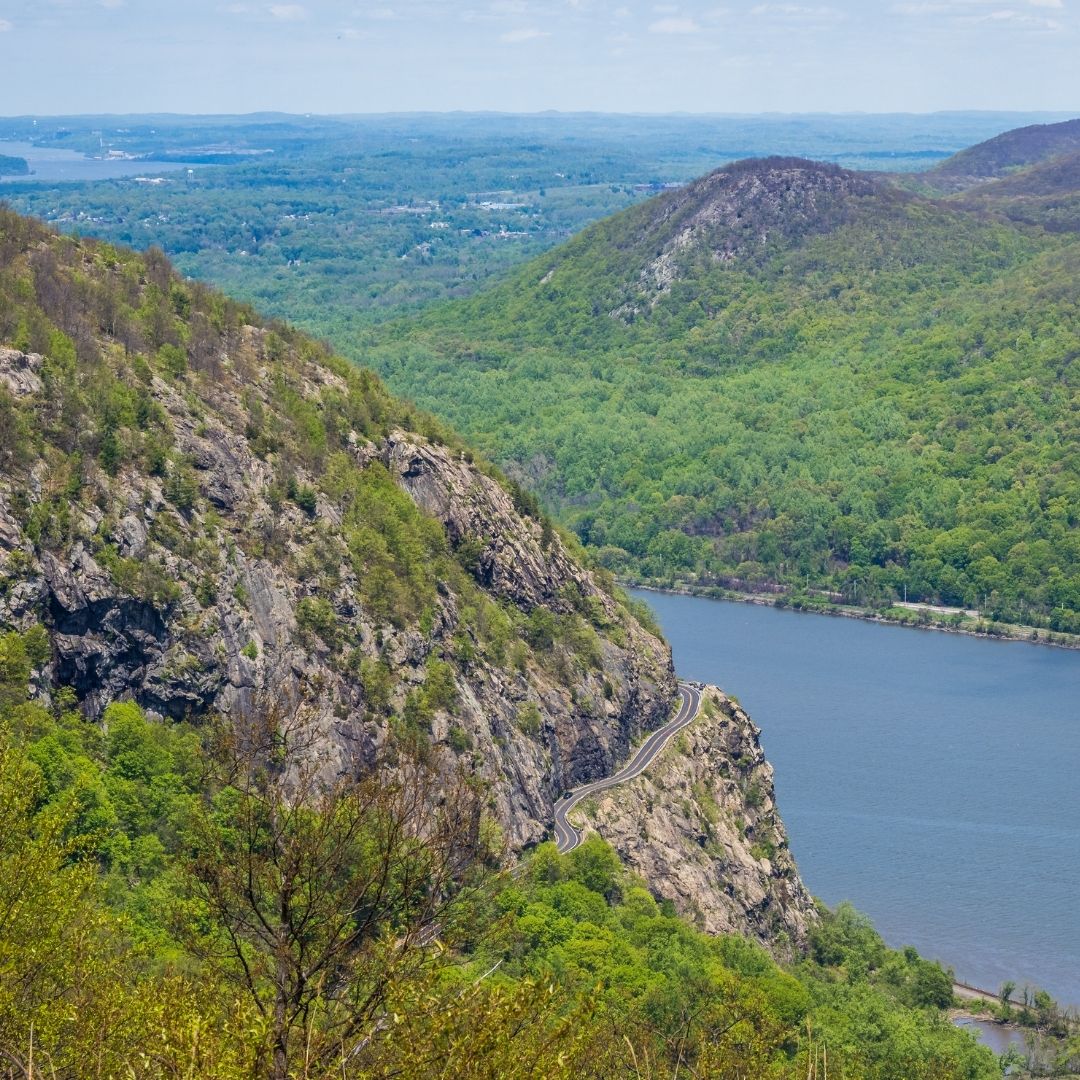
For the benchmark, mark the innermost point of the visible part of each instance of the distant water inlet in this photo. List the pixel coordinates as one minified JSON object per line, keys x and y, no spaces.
{"x":50,"y":164}
{"x":933,"y":780}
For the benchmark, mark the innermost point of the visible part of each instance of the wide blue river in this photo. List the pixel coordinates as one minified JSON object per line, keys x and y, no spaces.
{"x":931,"y":779}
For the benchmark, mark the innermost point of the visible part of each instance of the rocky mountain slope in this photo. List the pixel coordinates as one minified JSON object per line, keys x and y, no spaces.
{"x":701,"y":826}
{"x":213,"y":515}
{"x":794,"y":378}
{"x":210,"y":515}
{"x":740,"y":213}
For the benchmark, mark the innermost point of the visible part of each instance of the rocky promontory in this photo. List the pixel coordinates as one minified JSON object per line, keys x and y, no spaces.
{"x":701,"y":826}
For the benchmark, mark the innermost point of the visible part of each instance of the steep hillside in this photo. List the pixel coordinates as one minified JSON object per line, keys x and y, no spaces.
{"x":201,"y":513}
{"x":742,"y":213}
{"x":1004,"y":154}
{"x":1045,"y":195}
{"x":787,"y":374}
{"x":702,"y":827}
{"x":210,"y":514}
{"x":1030,"y":176}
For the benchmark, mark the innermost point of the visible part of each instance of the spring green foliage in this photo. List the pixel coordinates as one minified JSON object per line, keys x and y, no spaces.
{"x":889,"y":404}
{"x":350,"y":220}
{"x":158,"y":896}
{"x":723,"y":1003}
{"x":108,"y":323}
{"x":168,"y":909}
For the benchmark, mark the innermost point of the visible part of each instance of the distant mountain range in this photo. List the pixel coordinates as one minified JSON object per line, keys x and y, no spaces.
{"x":791,"y":374}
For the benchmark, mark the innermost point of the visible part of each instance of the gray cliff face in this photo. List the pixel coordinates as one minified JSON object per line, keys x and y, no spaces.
{"x":702,"y":828}
{"x":195,"y":611}
{"x":211,"y":517}
{"x":739,"y":214}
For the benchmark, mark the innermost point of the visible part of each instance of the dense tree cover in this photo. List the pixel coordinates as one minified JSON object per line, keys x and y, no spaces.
{"x":1005,"y":153}
{"x":112,"y":329}
{"x":213,"y":900}
{"x":889,"y":407}
{"x":879,"y":412}
{"x":197,"y":901}
{"x":334,"y":222}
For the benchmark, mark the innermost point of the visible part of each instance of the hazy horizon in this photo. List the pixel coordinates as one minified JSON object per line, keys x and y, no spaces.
{"x":341,"y":57}
{"x":533,"y":113}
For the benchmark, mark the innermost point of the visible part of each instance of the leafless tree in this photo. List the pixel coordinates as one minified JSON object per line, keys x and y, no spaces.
{"x":322,"y":893}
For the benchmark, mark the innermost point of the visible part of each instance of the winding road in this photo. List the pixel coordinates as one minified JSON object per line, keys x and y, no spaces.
{"x":566,"y":836}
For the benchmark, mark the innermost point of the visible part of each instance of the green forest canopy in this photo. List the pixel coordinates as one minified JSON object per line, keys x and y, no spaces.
{"x":891,"y":405}
{"x":179,"y":914}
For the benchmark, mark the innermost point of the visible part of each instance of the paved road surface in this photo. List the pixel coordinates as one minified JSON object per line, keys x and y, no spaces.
{"x":566,"y":836}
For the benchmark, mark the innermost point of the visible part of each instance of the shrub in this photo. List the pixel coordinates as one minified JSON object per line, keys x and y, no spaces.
{"x":316,"y":615}
{"x":528,"y":718}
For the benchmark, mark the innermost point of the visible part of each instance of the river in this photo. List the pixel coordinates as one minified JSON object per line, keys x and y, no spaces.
{"x":49,"y":164}
{"x":931,"y":779}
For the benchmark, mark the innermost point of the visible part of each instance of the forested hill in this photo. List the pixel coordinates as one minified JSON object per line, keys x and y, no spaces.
{"x":1004,"y":154}
{"x":285,"y":674}
{"x":787,"y":373}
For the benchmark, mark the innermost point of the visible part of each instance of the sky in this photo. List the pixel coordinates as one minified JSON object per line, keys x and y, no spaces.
{"x":344,"y":56}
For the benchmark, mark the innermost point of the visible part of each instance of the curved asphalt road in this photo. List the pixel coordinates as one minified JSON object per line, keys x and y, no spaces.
{"x":566,"y":836}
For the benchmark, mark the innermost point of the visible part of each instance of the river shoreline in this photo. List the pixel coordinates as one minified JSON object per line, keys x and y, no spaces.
{"x":1002,"y":632}
{"x":995,"y":1034}
{"x":904,"y":766}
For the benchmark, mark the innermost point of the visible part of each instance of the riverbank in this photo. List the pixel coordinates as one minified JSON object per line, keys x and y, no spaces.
{"x":904,"y":768}
{"x":997,"y":1036}
{"x":919,"y":616}
{"x":1034,"y":1029}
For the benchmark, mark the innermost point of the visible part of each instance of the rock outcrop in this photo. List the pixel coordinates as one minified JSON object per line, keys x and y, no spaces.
{"x":212,"y":516}
{"x":702,"y":828}
{"x":741,"y":213}
{"x":193,"y":610}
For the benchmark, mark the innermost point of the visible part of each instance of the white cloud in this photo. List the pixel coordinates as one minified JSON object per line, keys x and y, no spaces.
{"x":509,"y":7}
{"x":289,"y":12}
{"x":665,"y":9}
{"x":966,"y":13}
{"x":1011,"y":17}
{"x":516,"y":37}
{"x":963,"y":9}
{"x":674,"y":26}
{"x":796,"y":12}
{"x":5,"y":26}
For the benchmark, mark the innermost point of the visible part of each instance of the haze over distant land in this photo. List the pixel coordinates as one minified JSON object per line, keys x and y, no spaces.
{"x":524,"y":55}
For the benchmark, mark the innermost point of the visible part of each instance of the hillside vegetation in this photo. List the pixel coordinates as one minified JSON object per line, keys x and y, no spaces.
{"x":1004,"y":154}
{"x":168,"y":910}
{"x":787,"y":373}
{"x":208,"y":512}
{"x":283,"y":676}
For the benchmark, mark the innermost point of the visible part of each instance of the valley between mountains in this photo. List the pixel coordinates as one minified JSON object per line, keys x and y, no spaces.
{"x":290,"y":673}
{"x":794,"y":379}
